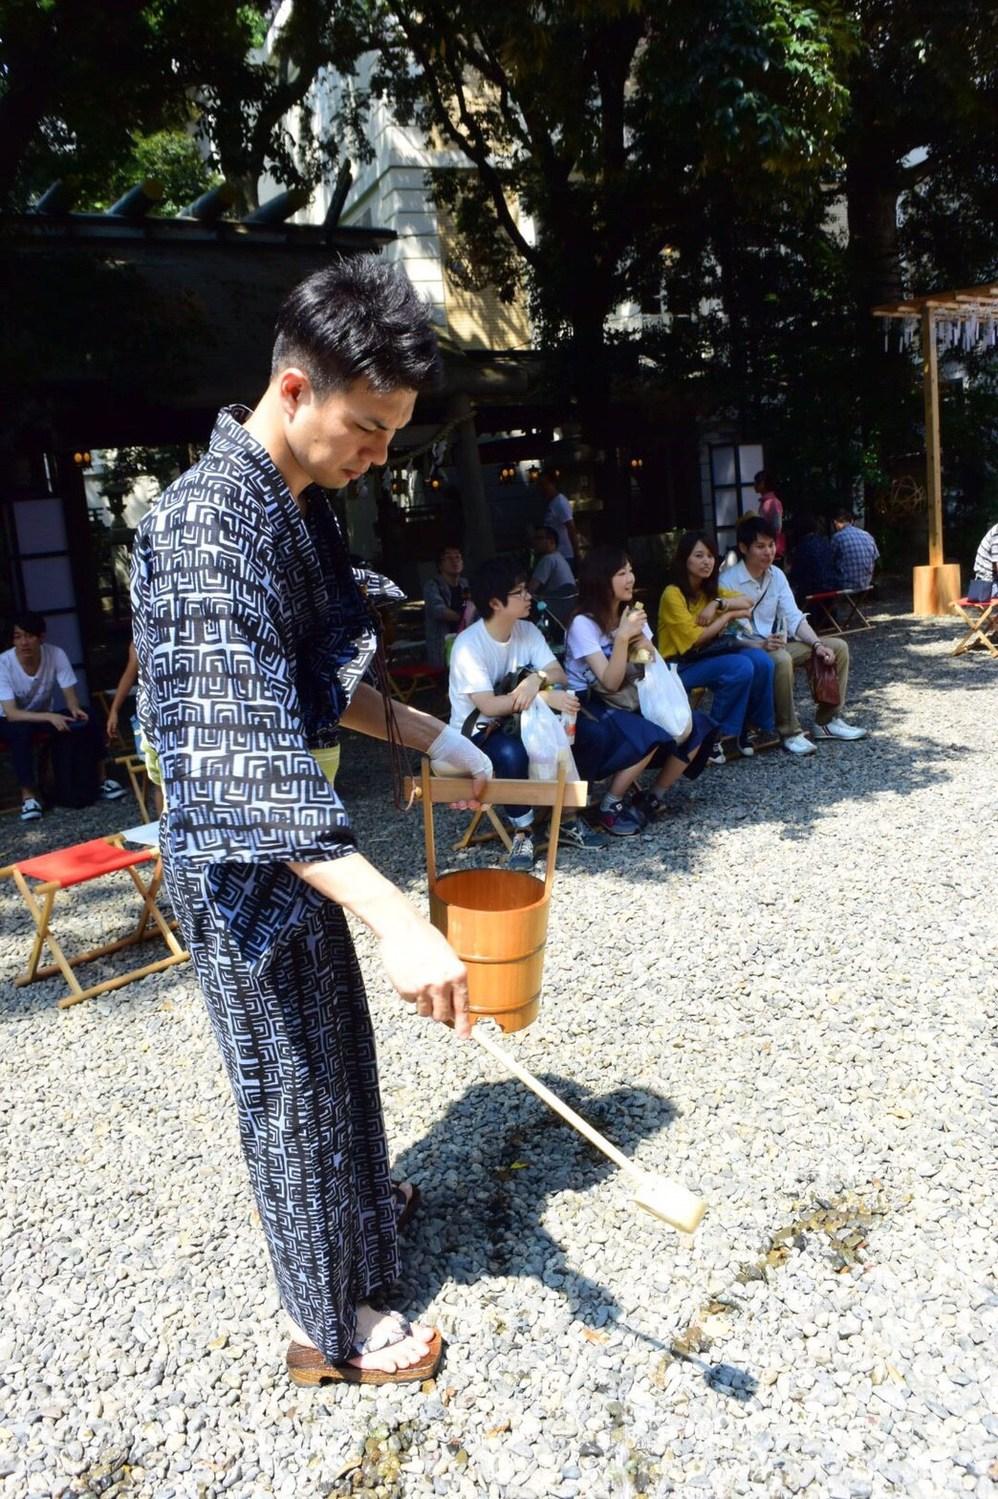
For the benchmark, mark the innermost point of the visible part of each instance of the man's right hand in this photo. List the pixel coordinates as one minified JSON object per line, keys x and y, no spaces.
{"x":426,"y":971}
{"x":59,"y":721}
{"x":523,"y":694}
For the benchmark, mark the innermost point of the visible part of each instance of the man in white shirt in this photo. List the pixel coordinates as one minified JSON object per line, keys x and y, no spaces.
{"x":29,"y":676}
{"x":779,"y":626}
{"x":558,"y":515}
{"x":500,"y":644}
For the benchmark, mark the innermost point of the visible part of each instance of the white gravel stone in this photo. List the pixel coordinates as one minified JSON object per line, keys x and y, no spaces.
{"x":784,"y":996}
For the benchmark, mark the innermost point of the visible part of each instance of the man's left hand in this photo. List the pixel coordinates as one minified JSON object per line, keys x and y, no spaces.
{"x":825,"y":652}
{"x":453,"y":754}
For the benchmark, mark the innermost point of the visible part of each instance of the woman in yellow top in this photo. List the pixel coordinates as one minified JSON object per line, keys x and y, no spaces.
{"x":694,"y":620}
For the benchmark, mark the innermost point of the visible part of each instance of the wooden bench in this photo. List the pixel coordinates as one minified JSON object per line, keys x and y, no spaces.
{"x":823,"y":621}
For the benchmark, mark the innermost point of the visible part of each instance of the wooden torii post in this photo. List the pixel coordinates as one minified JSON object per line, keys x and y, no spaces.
{"x":973,"y":312}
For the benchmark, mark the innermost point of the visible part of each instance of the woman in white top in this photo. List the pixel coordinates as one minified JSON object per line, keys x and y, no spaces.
{"x":600,"y":637}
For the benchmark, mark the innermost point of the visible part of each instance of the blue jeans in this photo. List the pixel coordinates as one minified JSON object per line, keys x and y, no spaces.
{"x":510,"y":762}
{"x":742,"y":687}
{"x":20,"y":739}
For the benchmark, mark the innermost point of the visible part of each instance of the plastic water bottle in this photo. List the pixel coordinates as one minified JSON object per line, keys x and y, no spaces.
{"x":566,"y":756}
{"x":544,"y":623}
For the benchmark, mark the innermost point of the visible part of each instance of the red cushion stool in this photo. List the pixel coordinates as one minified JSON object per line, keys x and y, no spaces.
{"x":77,"y":865}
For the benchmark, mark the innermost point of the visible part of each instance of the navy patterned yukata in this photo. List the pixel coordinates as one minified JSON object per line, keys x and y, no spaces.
{"x":252,"y":635}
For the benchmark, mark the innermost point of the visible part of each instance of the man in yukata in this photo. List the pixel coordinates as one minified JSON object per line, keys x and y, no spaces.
{"x":253,"y":639}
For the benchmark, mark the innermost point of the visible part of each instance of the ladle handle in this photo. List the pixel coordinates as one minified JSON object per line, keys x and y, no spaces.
{"x":554,"y":1102}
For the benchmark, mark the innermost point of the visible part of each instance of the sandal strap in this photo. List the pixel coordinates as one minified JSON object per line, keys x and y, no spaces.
{"x":393,"y":1328}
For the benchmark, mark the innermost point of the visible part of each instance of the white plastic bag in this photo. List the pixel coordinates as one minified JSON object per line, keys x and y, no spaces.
{"x":662,"y":698}
{"x":545,"y":741}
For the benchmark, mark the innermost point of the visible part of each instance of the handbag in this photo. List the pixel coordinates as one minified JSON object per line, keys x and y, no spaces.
{"x":982,"y":590}
{"x":625,"y":696}
{"x":824,"y":681}
{"x":721,"y":645}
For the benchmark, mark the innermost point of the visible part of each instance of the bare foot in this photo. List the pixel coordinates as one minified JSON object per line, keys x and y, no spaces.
{"x":399,"y":1349}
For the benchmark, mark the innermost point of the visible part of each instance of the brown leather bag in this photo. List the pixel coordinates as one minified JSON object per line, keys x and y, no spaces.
{"x":824,"y":681}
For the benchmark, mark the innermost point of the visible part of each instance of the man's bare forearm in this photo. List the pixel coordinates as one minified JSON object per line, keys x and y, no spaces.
{"x":366,"y":715}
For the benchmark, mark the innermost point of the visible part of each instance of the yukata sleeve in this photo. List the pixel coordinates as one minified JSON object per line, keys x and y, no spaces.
{"x":244,"y":796}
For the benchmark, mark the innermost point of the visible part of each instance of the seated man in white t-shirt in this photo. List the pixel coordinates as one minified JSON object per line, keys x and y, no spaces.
{"x":502,"y":642}
{"x":29,"y":676}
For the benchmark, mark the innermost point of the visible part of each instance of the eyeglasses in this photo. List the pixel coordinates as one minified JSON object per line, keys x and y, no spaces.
{"x":519,"y":593}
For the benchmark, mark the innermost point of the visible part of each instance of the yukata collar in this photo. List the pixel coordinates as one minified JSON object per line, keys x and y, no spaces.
{"x":293,"y":540}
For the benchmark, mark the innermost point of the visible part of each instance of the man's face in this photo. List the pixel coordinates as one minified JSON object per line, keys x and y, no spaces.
{"x":26,"y":647}
{"x":516,"y":604}
{"x":542,"y":543}
{"x":337,"y":439}
{"x":759,"y":554}
{"x":451,"y":563}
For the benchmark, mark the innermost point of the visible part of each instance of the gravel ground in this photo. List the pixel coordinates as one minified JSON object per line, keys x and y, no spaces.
{"x":781,"y":997}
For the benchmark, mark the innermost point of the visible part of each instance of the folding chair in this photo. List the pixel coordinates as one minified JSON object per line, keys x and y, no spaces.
{"x":980,"y":630}
{"x":825,"y":622}
{"x":138,"y":775}
{"x":408,"y":678}
{"x":77,"y":865}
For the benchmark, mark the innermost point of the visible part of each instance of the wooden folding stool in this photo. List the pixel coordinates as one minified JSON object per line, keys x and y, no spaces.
{"x":406,"y":679}
{"x":77,"y":865}
{"x":826,"y":623}
{"x":980,"y":630}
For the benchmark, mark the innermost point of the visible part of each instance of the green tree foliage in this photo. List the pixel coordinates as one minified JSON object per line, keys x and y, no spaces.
{"x":87,"y":90}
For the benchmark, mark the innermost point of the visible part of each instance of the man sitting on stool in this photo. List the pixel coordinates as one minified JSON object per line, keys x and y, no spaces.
{"x":29,"y":676}
{"x":778,"y":625}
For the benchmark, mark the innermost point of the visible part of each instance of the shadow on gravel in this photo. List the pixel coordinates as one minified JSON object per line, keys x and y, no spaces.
{"x":487,"y":1170}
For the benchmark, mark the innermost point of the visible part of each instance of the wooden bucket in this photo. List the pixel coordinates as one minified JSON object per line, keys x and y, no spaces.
{"x":497,"y":919}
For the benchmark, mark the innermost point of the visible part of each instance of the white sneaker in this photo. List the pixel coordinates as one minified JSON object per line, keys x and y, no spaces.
{"x":837,"y":728}
{"x":798,"y":745}
{"x":31,"y":810}
{"x":110,"y":791}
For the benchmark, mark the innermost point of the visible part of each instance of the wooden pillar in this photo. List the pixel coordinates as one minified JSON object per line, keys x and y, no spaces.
{"x":933,"y":462}
{"x":936,"y":586}
{"x":479,"y":538}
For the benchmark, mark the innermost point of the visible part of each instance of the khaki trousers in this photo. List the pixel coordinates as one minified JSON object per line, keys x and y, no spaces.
{"x":794,"y":654}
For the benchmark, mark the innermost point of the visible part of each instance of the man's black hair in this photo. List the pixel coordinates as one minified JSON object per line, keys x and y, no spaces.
{"x":762,"y":477}
{"x":449,"y":546}
{"x":495,"y":579}
{"x":846,"y":515}
{"x":551,"y":476}
{"x":30,"y":622}
{"x":548,"y":531}
{"x":751,"y":527}
{"x":360,"y":318}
